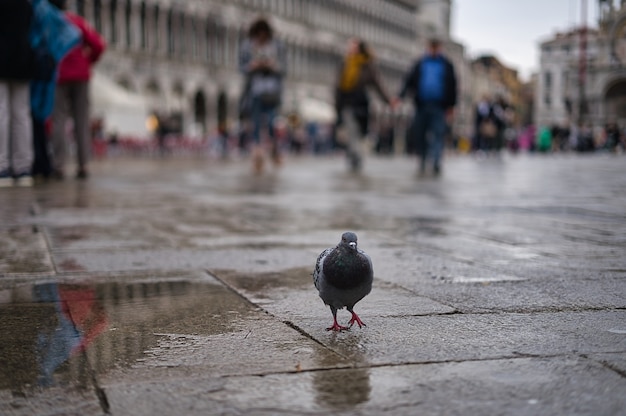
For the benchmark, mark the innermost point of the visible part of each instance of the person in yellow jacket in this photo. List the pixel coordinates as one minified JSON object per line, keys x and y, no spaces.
{"x":357,"y":73}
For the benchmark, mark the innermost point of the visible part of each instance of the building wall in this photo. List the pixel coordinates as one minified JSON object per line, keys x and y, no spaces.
{"x":560,"y":92}
{"x":181,"y":56}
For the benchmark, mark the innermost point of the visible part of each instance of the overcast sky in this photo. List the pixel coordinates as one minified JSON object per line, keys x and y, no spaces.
{"x":512,"y":30}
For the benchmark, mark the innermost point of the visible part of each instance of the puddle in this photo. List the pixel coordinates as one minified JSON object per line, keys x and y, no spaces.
{"x":58,"y":334}
{"x":342,"y":389}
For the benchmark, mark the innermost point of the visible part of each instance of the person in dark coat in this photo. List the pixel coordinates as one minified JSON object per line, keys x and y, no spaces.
{"x":433,"y":83}
{"x":16,"y":69}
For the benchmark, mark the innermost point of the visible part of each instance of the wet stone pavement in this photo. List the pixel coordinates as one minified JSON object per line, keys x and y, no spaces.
{"x":183,"y":286}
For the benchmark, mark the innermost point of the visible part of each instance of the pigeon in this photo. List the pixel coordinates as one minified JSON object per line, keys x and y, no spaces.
{"x":343,"y":276}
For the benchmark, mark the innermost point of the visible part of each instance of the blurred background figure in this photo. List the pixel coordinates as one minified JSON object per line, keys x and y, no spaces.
{"x":544,"y":140}
{"x":16,"y":69}
{"x":433,"y":84}
{"x":357,"y":73}
{"x":72,"y":96}
{"x":262,"y":61}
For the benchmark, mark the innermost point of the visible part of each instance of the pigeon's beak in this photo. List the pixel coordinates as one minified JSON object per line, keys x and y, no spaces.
{"x":352,"y":245}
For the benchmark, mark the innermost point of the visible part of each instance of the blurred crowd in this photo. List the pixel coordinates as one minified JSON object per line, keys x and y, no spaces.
{"x":47,"y":54}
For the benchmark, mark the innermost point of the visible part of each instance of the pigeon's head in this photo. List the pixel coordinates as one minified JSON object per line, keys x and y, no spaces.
{"x":349,"y":239}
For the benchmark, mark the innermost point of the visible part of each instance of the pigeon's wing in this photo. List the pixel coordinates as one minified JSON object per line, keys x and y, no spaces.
{"x":369,"y":260}
{"x":318,"y":273}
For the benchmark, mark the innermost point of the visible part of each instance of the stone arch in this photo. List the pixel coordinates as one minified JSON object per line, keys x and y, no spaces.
{"x":125,"y":82}
{"x":153,"y":88}
{"x":615,"y":100}
{"x":200,"y":110}
{"x":222,"y":108}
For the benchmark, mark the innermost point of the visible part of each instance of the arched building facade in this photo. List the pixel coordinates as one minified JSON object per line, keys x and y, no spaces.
{"x":179,"y":57}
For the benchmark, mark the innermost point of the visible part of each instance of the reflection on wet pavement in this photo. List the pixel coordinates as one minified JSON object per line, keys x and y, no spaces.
{"x":47,"y":327}
{"x":342,"y":389}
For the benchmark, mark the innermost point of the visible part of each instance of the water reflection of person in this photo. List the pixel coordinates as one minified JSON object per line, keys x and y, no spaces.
{"x":341,"y":389}
{"x":80,"y":319}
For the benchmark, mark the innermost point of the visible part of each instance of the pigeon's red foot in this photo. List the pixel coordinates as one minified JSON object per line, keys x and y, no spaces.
{"x":336,"y":327}
{"x":355,"y":318}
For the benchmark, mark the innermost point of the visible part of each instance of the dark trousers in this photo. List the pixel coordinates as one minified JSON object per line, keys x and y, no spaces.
{"x":41,"y":161}
{"x":71,"y":100}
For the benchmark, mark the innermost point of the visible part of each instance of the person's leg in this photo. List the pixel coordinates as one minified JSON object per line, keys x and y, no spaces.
{"x":438,"y":128}
{"x":21,"y":131}
{"x":58,"y":139}
{"x":353,"y":151}
{"x":80,"y":114}
{"x":421,"y":146}
{"x":4,"y":134}
{"x":257,"y":122}
{"x":270,"y":115}
{"x":41,"y":162}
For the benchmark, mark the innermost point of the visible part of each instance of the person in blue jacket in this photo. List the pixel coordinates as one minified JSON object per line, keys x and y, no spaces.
{"x":433,"y":84}
{"x":53,"y":33}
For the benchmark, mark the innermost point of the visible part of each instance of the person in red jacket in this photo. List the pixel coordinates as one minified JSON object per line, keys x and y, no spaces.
{"x":72,"y":96}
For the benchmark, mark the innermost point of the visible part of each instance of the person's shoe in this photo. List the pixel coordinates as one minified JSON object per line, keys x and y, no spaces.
{"x":355,"y":162}
{"x":58,"y":175}
{"x":258,"y":161}
{"x":437,"y":169}
{"x":24,"y":179}
{"x":6,"y":179}
{"x":82,"y":174}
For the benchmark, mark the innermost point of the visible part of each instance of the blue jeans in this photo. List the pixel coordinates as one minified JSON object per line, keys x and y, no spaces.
{"x":262,"y":115}
{"x":430,"y":118}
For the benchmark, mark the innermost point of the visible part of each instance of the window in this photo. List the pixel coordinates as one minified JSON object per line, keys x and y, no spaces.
{"x":547,"y":101}
{"x":181,"y":33}
{"x":156,"y":28}
{"x":143,"y":26}
{"x":547,"y":80}
{"x":80,"y":7}
{"x":170,"y":32}
{"x":128,"y":24}
{"x":113,"y":20}
{"x":97,"y":12}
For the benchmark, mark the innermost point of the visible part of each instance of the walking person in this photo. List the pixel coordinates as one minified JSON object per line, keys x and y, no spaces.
{"x":433,"y":83}
{"x":16,"y":70}
{"x":72,"y":96}
{"x":357,"y":73}
{"x":263,"y":62}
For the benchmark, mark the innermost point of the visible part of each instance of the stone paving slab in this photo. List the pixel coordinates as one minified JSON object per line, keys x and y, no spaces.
{"x":290,"y":295}
{"x":462,"y":337}
{"x":23,"y":250}
{"x":51,"y":401}
{"x":525,"y":386}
